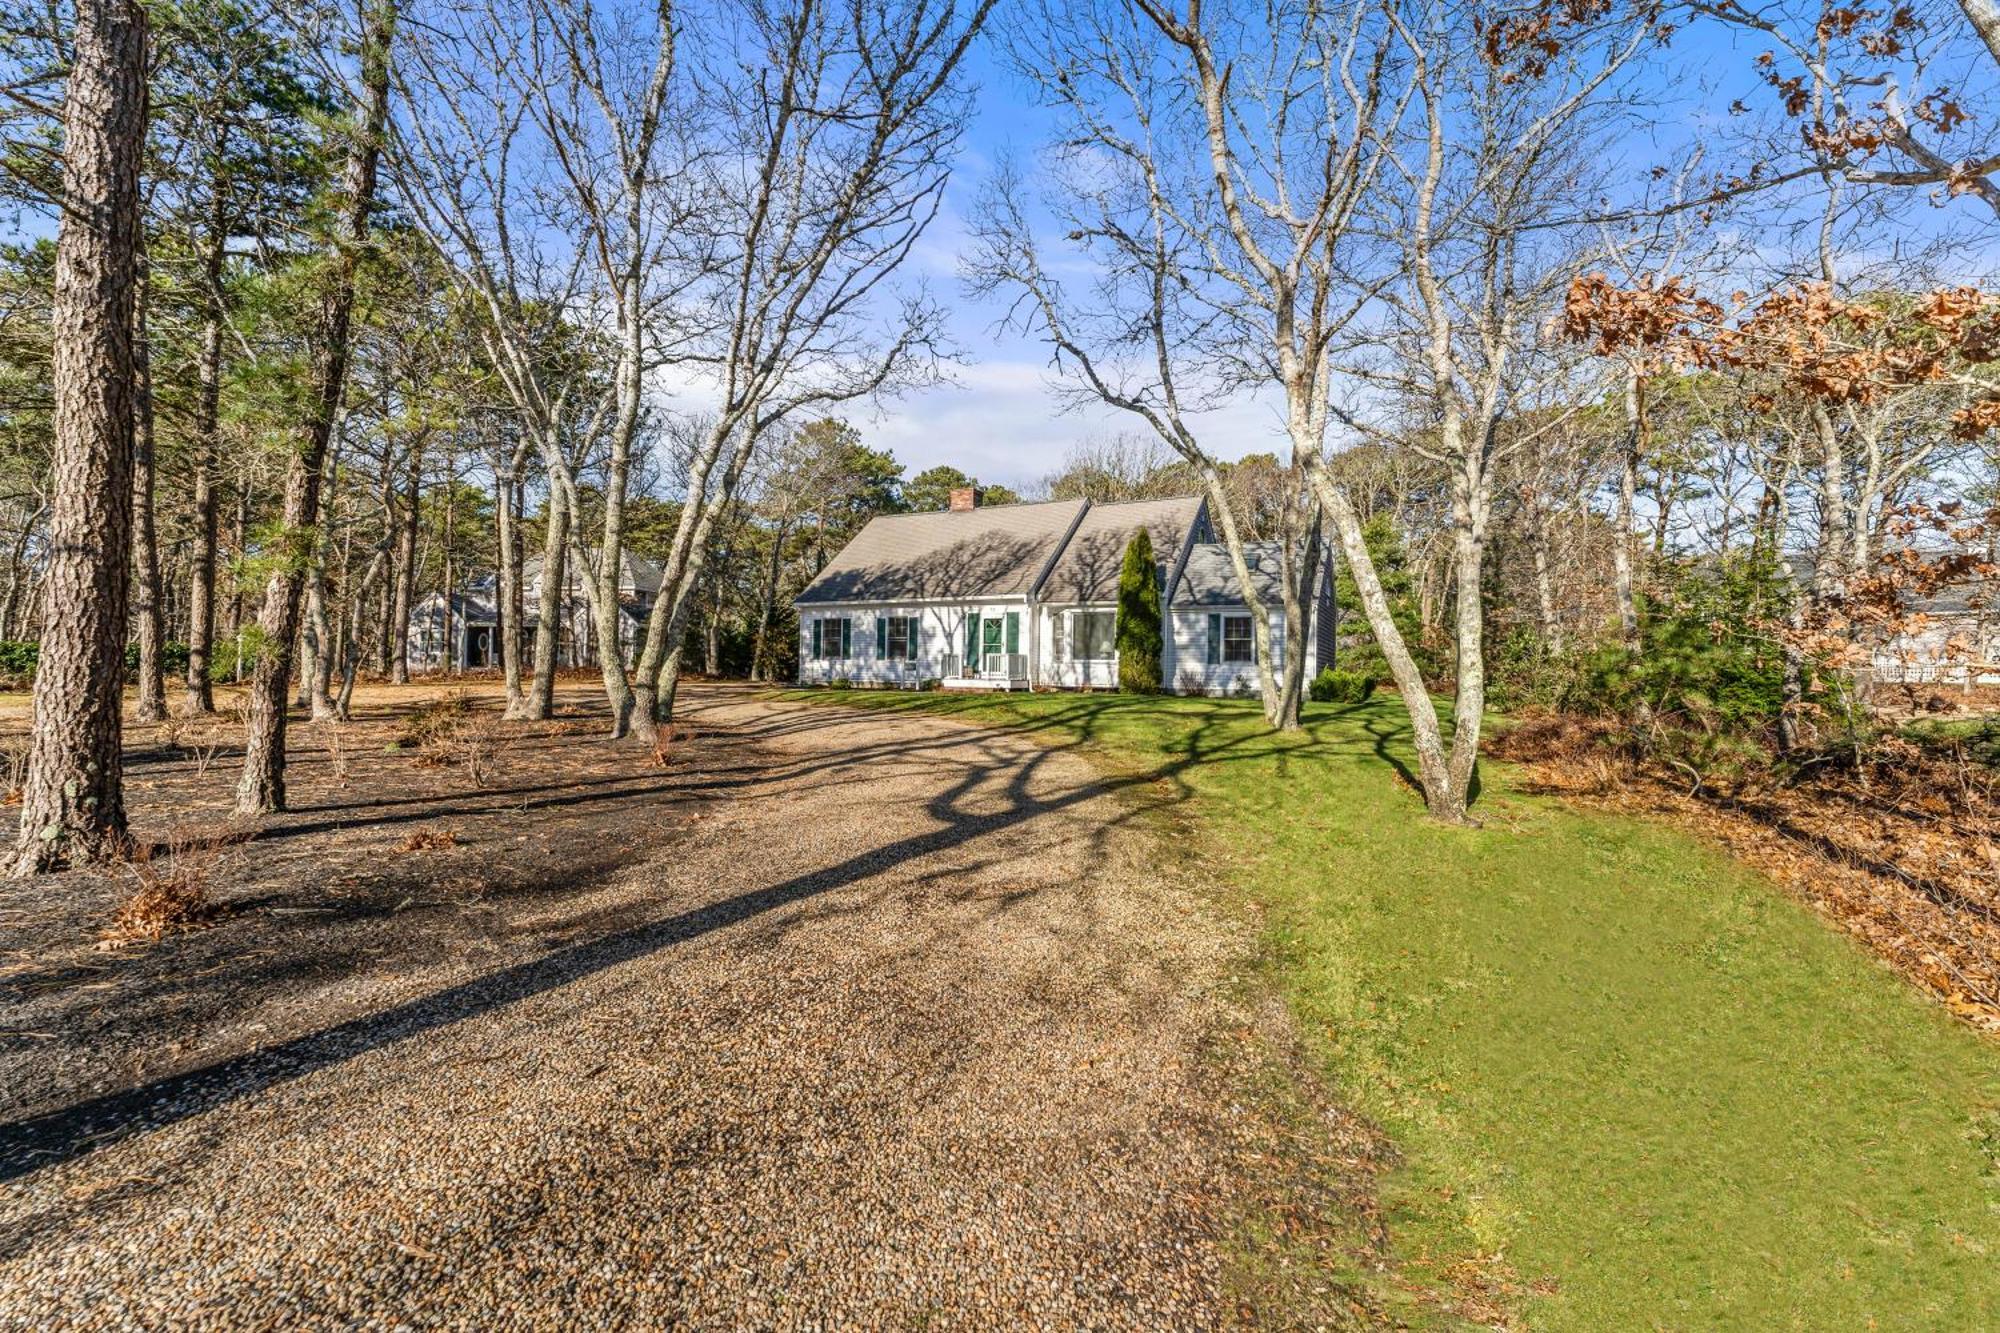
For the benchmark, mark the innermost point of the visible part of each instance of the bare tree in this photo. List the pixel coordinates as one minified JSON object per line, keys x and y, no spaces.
{"x":830,"y":164}
{"x":1489,"y":160}
{"x":543,"y":175}
{"x":73,"y":807}
{"x":1217,"y":165}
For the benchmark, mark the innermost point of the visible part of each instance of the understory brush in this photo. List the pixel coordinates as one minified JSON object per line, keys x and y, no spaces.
{"x":170,"y":890}
{"x":451,"y":731}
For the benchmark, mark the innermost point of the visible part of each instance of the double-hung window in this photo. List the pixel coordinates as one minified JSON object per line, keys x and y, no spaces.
{"x":1093,"y":635}
{"x":832,"y":638}
{"x":1238,"y":643}
{"x":896,"y":638}
{"x":1230,"y":640}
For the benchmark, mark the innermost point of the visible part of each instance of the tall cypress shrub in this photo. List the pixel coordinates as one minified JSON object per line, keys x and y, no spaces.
{"x":1139,"y":618}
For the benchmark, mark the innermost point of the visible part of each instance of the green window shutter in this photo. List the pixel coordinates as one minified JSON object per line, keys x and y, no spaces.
{"x":846,"y":638}
{"x":971,"y":640}
{"x":881,"y":636}
{"x":1013,"y":631}
{"x":1214,"y":640}
{"x":819,"y":637}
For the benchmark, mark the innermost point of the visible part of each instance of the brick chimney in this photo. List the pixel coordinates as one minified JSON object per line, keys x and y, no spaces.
{"x":964,"y":499}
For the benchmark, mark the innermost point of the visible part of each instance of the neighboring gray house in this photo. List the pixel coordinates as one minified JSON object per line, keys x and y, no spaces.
{"x":1025,"y":596}
{"x":1958,"y":642}
{"x":473,"y":617}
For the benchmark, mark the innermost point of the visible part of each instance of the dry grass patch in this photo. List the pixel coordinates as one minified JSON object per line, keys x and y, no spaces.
{"x":171,"y":890}
{"x":429,"y":840}
{"x":452,"y":731}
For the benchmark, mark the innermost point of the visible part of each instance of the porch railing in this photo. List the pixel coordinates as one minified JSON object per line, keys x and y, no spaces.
{"x":996,"y":666}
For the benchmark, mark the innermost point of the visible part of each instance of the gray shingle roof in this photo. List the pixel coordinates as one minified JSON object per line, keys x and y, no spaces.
{"x":1087,"y":570}
{"x":641,"y":575}
{"x":992,"y":552}
{"x":1210,"y":576}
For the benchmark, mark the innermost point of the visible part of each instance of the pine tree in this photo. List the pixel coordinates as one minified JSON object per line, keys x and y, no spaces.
{"x":1139,"y":636}
{"x":72,"y":807}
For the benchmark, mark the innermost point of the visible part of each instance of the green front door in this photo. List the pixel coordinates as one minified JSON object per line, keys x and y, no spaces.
{"x":991,"y":645}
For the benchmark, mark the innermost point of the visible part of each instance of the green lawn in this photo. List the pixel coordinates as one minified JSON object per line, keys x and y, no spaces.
{"x":1606,"y":1051}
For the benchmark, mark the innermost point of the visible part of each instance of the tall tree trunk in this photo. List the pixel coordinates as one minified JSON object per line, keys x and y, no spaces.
{"x":350,"y":666}
{"x":16,"y":565}
{"x":263,"y":786}
{"x":207,"y":412}
{"x":1623,"y":577}
{"x":406,"y":568}
{"x":507,"y":599}
{"x":767,"y":605}
{"x":550,"y":608}
{"x":656,"y":686}
{"x":1545,"y":587}
{"x":317,"y":634}
{"x":449,"y":644}
{"x":1433,"y":771}
{"x":1469,"y":502}
{"x":711,"y":648}
{"x":1300,"y":587}
{"x":151,"y":704}
{"x":72,"y":807}
{"x":1224,"y":515}
{"x":1830,"y":563}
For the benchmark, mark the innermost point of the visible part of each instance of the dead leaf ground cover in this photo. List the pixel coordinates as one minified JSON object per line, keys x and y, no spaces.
{"x":1631,"y":1085}
{"x":402,"y":866}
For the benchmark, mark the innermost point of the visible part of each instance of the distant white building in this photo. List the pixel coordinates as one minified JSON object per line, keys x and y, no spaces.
{"x":1026,"y":596}
{"x":469,"y":620}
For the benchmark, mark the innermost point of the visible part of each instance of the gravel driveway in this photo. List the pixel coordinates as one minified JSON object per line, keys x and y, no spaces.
{"x":904,"y":1033}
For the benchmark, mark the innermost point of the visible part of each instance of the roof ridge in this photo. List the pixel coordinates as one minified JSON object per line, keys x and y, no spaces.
{"x":1155,"y":500}
{"x":976,"y":509}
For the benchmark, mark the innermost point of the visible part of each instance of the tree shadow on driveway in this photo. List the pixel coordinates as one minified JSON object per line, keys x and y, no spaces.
{"x":995,"y":782}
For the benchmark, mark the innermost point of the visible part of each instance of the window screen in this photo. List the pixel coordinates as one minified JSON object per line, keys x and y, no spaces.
{"x":1093,"y":635}
{"x":831,"y":638}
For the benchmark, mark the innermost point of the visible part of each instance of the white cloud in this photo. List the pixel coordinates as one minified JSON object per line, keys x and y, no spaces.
{"x":1002,"y":422}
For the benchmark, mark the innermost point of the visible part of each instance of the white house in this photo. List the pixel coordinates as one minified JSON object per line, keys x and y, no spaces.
{"x":471,"y":619}
{"x":1025,"y":596}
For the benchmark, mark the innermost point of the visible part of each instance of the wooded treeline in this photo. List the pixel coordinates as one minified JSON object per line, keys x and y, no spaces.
{"x":316,"y":312}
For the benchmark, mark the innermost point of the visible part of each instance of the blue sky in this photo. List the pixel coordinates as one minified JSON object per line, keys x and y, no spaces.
{"x":999,"y":420}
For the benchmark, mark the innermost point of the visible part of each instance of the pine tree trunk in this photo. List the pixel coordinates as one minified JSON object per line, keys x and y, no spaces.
{"x":73,"y":807}
{"x":262,"y":789}
{"x":406,"y":570}
{"x":238,"y":545}
{"x":151,"y":704}
{"x":208,"y":410}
